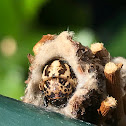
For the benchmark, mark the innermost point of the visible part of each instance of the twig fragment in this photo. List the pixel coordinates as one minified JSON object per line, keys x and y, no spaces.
{"x":107,"y":106}
{"x":113,"y":85}
{"x":101,"y":52}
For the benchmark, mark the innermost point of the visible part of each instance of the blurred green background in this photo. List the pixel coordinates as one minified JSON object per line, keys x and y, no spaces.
{"x":23,"y":22}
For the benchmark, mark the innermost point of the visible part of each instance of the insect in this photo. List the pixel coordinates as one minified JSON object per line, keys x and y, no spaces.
{"x":58,"y":82}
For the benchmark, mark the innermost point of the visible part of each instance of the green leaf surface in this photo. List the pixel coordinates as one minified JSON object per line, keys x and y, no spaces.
{"x":16,"y":113}
{"x":31,"y":7}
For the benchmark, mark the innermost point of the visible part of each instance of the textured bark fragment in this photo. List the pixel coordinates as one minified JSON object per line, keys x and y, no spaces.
{"x":112,"y":73}
{"x":83,"y":105}
{"x":107,"y":105}
{"x":106,"y":108}
{"x":101,"y":52}
{"x":123,"y":77}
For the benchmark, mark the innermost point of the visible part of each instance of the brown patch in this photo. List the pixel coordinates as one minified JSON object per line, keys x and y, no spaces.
{"x":42,"y":41}
{"x":83,"y":52}
{"x":80,"y":70}
{"x":27,"y":81}
{"x":30,"y":58}
{"x":80,"y":52}
{"x":31,"y":68}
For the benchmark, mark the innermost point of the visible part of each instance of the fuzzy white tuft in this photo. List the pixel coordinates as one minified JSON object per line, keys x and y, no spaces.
{"x":123,"y":72}
{"x":61,"y":46}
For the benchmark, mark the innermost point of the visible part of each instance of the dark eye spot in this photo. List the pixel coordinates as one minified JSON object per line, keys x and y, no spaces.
{"x":61,"y":86}
{"x":62,"y":81}
{"x":65,"y":90}
{"x":52,"y":95}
